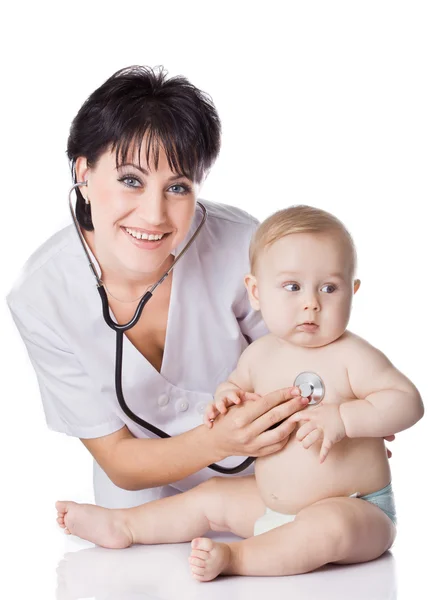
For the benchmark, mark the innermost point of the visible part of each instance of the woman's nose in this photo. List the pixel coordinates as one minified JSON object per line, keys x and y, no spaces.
{"x":152,"y":208}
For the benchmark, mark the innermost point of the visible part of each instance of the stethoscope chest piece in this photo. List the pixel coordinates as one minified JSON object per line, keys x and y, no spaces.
{"x":311,"y":386}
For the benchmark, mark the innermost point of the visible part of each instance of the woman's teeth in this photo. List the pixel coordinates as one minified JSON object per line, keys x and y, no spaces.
{"x":144,"y":236}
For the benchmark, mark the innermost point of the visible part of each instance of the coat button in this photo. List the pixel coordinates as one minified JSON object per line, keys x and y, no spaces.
{"x":201,"y":407}
{"x":182,"y":405}
{"x":163,"y":400}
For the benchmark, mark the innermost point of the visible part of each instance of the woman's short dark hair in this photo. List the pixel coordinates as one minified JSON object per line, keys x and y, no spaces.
{"x":139,"y":103}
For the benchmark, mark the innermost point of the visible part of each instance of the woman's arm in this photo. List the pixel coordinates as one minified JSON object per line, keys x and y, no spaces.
{"x":139,"y":463}
{"x":134,"y":464}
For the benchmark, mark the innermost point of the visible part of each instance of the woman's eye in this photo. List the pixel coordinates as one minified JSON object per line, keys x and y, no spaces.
{"x":178,"y":189}
{"x":292,"y":287}
{"x":330,"y":288}
{"x":130,"y":181}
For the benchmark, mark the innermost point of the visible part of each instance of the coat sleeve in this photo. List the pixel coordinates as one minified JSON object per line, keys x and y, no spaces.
{"x":72,"y":403}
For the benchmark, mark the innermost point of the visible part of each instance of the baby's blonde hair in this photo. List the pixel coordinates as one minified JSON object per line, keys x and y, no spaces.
{"x":299,"y":219}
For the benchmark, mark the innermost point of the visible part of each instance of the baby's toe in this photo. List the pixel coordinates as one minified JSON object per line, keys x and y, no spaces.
{"x":200,"y":554}
{"x":202,"y":544}
{"x":197,"y":562}
{"x":197,"y":573}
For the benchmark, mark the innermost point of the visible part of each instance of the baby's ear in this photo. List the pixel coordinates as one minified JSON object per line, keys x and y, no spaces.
{"x":357,"y":284}
{"x":252,"y":290}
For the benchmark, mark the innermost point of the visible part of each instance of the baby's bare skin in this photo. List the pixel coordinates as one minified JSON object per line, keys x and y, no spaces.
{"x":353,"y":465}
{"x":336,"y":450}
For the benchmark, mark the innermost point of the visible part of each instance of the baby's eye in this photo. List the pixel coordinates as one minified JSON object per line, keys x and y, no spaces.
{"x":292,"y":287}
{"x":330,"y":288}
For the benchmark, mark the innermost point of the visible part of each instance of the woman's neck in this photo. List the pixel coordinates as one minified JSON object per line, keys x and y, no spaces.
{"x":121,"y":283}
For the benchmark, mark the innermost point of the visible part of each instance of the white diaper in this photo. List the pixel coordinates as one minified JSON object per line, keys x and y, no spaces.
{"x":271,"y":519}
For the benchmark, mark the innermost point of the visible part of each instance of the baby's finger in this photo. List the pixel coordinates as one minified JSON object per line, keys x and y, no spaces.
{"x":304,"y":430}
{"x":211,"y":412}
{"x":311,"y":438}
{"x":301,"y":415}
{"x":207,"y":422}
{"x":221,"y":407}
{"x":234,"y":397}
{"x":324,"y":451}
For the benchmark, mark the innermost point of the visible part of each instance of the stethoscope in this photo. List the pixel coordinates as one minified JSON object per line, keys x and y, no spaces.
{"x":309,"y":384}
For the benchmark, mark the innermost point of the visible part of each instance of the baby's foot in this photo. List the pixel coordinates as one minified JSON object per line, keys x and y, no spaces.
{"x":208,"y":558}
{"x":99,"y":525}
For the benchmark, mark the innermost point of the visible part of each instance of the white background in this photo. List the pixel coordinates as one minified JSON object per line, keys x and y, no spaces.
{"x":333,"y":104}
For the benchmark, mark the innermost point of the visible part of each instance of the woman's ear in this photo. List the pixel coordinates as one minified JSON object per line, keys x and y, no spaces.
{"x":357,"y":284}
{"x":81,"y":169}
{"x":252,"y":290}
{"x":81,"y":172}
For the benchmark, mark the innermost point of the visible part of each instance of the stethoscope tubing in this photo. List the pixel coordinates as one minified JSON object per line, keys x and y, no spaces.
{"x":120,"y":329}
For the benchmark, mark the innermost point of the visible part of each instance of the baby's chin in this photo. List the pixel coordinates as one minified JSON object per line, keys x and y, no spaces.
{"x":317,"y":339}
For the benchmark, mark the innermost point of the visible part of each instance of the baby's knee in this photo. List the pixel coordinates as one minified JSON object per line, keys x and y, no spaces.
{"x":213,"y":487}
{"x":214,"y":498}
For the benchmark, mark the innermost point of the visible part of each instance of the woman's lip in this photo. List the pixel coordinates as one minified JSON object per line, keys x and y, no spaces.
{"x":145,"y":244}
{"x":148,"y":231}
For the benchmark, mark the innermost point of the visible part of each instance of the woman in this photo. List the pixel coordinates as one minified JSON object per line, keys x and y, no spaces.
{"x":144,"y":144}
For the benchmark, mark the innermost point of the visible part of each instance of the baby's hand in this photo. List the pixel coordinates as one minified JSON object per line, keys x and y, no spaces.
{"x":223,"y":401}
{"x":323,"y":422}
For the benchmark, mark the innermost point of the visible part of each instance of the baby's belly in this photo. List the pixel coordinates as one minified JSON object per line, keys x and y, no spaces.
{"x":293,"y":478}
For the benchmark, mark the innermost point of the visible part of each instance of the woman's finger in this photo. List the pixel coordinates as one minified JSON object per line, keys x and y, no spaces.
{"x":275,"y":416}
{"x":285,"y":402}
{"x":274,"y":439}
{"x":251,"y":396}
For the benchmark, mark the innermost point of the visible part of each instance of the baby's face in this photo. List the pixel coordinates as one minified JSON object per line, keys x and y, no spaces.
{"x":304,"y":278}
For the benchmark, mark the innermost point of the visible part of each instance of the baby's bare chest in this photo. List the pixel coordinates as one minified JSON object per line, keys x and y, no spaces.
{"x":279,"y":369}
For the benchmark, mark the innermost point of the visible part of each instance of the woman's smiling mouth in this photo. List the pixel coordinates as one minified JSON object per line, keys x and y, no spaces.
{"x":142,"y":238}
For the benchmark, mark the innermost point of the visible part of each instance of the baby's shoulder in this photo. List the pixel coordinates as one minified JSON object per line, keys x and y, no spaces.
{"x":358,"y":351}
{"x":351,"y":342}
{"x":259,"y":347}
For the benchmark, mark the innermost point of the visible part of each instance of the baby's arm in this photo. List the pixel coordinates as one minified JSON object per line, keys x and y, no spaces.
{"x":389,"y":402}
{"x":232,"y":390}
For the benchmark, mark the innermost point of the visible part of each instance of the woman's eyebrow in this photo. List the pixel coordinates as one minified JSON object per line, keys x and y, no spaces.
{"x":146,"y":172}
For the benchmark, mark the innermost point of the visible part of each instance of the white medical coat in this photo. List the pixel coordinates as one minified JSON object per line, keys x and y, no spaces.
{"x":58,"y":313}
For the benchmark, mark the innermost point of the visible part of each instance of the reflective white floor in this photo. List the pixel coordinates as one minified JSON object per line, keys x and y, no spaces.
{"x":67,"y":568}
{"x":39,"y":467}
{"x":161,"y":572}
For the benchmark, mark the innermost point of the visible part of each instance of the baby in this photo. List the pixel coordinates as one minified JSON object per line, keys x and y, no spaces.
{"x":326,"y":496}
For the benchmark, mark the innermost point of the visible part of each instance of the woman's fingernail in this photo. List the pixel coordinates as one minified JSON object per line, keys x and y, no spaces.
{"x":305,"y":400}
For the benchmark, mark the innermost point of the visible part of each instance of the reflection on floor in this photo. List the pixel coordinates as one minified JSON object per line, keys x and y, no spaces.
{"x":162,"y":572}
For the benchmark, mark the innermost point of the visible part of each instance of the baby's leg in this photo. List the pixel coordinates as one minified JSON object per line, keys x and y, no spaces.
{"x":219,"y":504}
{"x":335,"y":530}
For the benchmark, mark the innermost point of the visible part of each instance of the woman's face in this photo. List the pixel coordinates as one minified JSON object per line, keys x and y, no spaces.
{"x":139,"y":214}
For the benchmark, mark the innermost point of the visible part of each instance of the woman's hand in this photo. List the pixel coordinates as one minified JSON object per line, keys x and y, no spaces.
{"x":222,"y":402}
{"x":255,"y":428}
